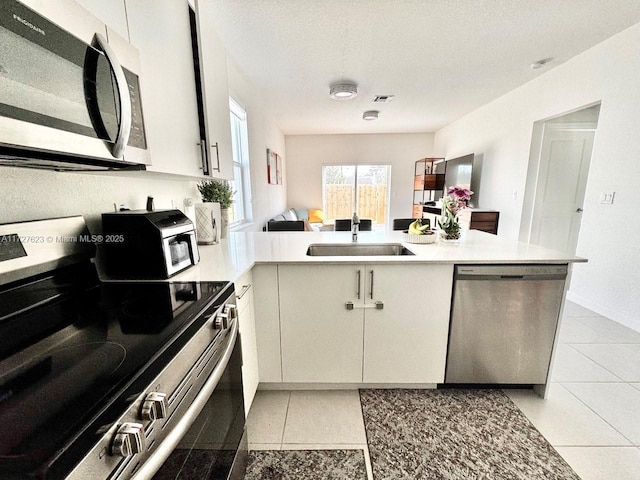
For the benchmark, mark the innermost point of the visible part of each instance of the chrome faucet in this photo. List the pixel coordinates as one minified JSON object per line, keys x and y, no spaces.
{"x":355,"y":227}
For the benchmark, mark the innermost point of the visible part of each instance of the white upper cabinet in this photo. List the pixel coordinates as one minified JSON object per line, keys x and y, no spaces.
{"x":213,"y":67}
{"x":112,"y":13}
{"x":161,"y":33}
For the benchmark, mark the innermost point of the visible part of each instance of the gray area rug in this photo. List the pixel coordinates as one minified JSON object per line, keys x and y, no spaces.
{"x":455,"y":434}
{"x":306,"y":465}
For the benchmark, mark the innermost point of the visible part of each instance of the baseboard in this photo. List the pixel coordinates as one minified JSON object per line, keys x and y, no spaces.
{"x":621,"y":318}
{"x":341,"y":386}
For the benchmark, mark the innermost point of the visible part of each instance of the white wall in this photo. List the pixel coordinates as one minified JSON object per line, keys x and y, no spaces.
{"x":501,"y":132}
{"x":306,"y":154}
{"x":29,"y":194}
{"x":267,"y":200}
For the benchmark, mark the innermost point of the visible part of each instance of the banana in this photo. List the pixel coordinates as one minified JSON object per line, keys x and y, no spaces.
{"x":413,"y":230}
{"x":416,"y":228}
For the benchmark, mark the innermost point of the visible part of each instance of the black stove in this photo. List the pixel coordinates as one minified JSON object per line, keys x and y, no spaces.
{"x":76,"y":354}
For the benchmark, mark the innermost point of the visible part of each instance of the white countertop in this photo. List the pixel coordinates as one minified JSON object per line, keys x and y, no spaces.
{"x":235,"y":255}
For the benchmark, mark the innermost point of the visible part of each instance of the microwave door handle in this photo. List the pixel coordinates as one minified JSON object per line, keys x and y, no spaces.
{"x":124,"y":127}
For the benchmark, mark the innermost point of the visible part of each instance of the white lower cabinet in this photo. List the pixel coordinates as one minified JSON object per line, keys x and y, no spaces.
{"x":247,"y":327}
{"x":406,"y":341}
{"x":395,"y":331}
{"x":267,"y":321}
{"x":321,"y":339}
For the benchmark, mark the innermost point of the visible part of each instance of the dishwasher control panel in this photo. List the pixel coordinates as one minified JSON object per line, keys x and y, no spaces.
{"x":510,"y":270}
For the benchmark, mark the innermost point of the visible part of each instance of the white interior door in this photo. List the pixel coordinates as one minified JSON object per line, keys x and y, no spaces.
{"x":562,"y":180}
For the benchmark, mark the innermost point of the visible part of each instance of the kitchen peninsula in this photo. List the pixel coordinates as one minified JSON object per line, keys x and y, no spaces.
{"x":349,"y":321}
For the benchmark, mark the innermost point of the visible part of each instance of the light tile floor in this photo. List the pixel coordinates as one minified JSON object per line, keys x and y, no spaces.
{"x":307,"y":420}
{"x":591,"y":415}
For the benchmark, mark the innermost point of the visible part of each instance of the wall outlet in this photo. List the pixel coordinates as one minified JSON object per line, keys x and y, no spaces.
{"x":606,"y":198}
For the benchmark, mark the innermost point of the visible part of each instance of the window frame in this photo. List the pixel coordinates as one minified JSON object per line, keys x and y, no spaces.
{"x":241,"y":164}
{"x":355,"y":167}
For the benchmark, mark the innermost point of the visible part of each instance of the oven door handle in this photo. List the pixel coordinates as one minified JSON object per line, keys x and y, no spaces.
{"x":152,"y":464}
{"x":124,"y":126}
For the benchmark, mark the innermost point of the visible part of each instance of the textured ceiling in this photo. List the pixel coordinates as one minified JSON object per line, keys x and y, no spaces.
{"x":440,"y":58}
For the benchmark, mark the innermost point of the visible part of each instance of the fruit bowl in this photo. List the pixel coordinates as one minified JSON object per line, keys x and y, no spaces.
{"x":428,"y":236}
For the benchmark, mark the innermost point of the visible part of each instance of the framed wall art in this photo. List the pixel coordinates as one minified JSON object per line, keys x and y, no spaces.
{"x":274,"y":168}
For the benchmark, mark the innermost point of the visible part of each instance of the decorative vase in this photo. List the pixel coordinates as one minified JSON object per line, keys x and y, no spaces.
{"x":224,"y":223}
{"x":208,"y":223}
{"x":449,"y":237}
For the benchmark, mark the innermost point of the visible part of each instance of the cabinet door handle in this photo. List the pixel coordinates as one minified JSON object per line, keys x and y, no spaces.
{"x":203,"y":155}
{"x":363,"y":306}
{"x":371,"y":286}
{"x":217,"y":168}
{"x":245,"y":289}
{"x":358,"y":284}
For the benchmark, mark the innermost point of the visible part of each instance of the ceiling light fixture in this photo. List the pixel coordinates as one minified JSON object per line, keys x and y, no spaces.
{"x":540,"y":63}
{"x":370,"y":115}
{"x":343,"y":91}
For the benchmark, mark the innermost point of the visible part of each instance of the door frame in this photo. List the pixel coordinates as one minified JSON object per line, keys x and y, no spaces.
{"x":535,"y":158}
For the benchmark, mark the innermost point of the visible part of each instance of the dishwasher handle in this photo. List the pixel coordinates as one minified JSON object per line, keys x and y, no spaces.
{"x":511,"y":272}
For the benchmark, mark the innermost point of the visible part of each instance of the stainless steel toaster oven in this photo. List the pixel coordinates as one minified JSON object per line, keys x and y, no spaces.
{"x":139,"y":244}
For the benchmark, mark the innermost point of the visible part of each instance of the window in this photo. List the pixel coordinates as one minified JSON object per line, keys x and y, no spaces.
{"x":241,"y":211}
{"x":356,"y":188}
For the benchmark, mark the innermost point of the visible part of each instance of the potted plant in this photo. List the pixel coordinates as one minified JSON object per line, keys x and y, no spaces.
{"x":218,"y":191}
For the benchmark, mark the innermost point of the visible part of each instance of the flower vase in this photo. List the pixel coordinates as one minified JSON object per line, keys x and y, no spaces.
{"x":208,"y":223}
{"x":449,"y":237}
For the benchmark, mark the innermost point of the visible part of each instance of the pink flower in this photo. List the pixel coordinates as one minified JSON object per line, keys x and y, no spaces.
{"x":460,"y":193}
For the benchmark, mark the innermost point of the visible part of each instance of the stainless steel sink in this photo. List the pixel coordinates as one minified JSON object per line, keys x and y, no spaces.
{"x":357,"y":249}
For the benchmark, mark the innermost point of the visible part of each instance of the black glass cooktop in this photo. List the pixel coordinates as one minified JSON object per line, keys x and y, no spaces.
{"x":70,"y":346}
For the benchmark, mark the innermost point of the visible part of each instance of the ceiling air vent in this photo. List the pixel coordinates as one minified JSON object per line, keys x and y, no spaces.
{"x":383,"y":98}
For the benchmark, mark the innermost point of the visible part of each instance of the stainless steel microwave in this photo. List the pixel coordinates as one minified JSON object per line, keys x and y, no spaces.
{"x":141,"y":244}
{"x":69,"y":90}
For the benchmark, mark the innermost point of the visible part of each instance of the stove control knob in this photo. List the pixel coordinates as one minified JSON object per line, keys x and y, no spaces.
{"x":154,"y":406}
{"x":221,"y":322}
{"x":231,"y":310}
{"x":128,"y":440}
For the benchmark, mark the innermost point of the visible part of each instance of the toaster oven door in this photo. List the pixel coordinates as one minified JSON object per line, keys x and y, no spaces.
{"x":180,"y":252}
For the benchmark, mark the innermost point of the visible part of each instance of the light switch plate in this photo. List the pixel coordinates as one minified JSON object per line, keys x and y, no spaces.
{"x":606,"y":198}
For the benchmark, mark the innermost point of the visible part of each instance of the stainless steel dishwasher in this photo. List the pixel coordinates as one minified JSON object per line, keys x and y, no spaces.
{"x":503,"y":323}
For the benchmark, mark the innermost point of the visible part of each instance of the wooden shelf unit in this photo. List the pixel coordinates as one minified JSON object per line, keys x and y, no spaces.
{"x":428,"y":183}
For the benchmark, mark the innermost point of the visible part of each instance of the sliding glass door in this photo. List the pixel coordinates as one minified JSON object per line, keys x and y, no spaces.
{"x":356,"y":188}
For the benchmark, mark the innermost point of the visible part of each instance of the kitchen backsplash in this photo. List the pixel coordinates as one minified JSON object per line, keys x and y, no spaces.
{"x":35,"y":194}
